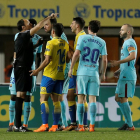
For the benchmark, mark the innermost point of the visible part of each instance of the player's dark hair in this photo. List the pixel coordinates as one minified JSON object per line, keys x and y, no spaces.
{"x":53,"y":21}
{"x":94,"y":26}
{"x":58,"y":28}
{"x":79,"y":21}
{"x":33,"y":22}
{"x":20,"y":24}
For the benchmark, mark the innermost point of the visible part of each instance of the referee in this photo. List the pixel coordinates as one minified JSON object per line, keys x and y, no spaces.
{"x":24,"y":59}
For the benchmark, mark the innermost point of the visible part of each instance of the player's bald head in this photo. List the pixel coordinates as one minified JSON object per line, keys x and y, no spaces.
{"x":129,"y":28}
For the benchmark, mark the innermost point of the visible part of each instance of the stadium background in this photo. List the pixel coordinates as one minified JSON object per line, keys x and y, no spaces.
{"x":112,"y":14}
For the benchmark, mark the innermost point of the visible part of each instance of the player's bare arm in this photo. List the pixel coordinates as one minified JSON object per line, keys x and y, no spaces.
{"x":42,"y":23}
{"x":74,"y":59}
{"x":41,"y":67}
{"x":104,"y":66}
{"x":115,"y":63}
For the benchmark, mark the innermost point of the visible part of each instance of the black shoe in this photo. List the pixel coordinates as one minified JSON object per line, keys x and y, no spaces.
{"x":124,"y":127}
{"x":10,"y":129}
{"x":20,"y":129}
{"x":27,"y":130}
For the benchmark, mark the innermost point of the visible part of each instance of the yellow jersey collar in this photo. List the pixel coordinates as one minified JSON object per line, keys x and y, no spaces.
{"x":56,"y":38}
{"x":80,"y":33}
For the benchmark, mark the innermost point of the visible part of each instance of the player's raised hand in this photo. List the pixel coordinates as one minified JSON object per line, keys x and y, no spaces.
{"x":114,"y":63}
{"x":70,"y":73}
{"x":54,"y":15}
{"x":33,"y":72}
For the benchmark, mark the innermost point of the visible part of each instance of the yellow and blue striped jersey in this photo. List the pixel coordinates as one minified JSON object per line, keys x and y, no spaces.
{"x":75,"y":44}
{"x":57,"y":48}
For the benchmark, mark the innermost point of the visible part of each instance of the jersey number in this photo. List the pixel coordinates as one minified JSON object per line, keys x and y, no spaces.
{"x":61,"y":56}
{"x":94,"y":55}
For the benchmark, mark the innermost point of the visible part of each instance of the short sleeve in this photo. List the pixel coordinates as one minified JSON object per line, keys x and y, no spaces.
{"x":131,"y":47}
{"x":80,"y":43}
{"x":16,"y":35}
{"x":49,"y":49}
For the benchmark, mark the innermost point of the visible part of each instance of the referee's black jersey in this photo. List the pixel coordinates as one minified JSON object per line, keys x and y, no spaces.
{"x":24,"y":49}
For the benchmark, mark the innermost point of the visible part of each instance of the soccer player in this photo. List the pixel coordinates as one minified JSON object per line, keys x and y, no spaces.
{"x":89,"y":47}
{"x":127,"y":75}
{"x":48,"y":27}
{"x":77,"y":26}
{"x":12,"y":88}
{"x":24,"y":59}
{"x":53,"y":77}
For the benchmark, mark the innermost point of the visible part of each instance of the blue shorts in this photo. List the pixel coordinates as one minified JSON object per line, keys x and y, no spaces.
{"x":72,"y":83}
{"x":12,"y":86}
{"x":88,"y":85}
{"x":66,"y":85}
{"x":125,"y":88}
{"x":48,"y":85}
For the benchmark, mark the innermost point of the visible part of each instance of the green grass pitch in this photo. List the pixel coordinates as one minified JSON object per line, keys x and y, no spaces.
{"x":99,"y":134}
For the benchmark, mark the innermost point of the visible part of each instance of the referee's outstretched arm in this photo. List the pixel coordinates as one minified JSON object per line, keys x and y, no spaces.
{"x":42,"y":23}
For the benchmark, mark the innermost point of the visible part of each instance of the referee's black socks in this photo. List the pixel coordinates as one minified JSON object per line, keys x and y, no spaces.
{"x":18,"y":109}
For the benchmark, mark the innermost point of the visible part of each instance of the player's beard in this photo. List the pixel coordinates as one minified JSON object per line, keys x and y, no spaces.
{"x":123,"y":36}
{"x":50,"y":31}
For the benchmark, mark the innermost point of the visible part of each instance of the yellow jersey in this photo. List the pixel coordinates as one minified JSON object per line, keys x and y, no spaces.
{"x":75,"y":44}
{"x":57,"y":48}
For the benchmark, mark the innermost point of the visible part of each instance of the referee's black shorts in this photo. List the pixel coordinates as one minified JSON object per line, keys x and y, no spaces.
{"x":23,"y":80}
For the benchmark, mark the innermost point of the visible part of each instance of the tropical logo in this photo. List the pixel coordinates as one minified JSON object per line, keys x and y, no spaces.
{"x":2,"y":11}
{"x":82,"y":10}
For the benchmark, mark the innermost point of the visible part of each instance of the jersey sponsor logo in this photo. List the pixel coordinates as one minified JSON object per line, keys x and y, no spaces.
{"x":2,"y":11}
{"x":82,"y":10}
{"x":43,"y":89}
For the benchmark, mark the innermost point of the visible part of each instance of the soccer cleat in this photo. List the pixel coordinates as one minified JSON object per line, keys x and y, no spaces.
{"x":10,"y":129}
{"x":25,"y":126}
{"x":91,"y":128}
{"x":53,"y":128}
{"x":131,"y":128}
{"x":61,"y":128}
{"x":70,"y":128}
{"x":86,"y":127}
{"x":20,"y":129}
{"x":124,"y":127}
{"x":81,"y":128}
{"x":42,"y":128}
